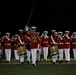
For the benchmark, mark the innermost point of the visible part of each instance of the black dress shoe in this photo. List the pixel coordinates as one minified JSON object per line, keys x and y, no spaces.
{"x":57,"y":61}
{"x":28,"y":62}
{"x":33,"y":65}
{"x":0,"y":61}
{"x":22,"y":62}
{"x":67,"y":61}
{"x":37,"y":61}
{"x":53,"y":62}
{"x":60,"y":61}
{"x":7,"y":62}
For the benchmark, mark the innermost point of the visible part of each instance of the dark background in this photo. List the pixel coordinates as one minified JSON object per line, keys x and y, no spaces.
{"x":46,"y":15}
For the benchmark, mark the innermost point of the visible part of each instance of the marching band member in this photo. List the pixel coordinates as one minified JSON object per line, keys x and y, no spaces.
{"x":67,"y":40}
{"x":74,"y":44}
{"x":15,"y":42}
{"x":39,"y":50}
{"x":53,"y":40}
{"x":45,"y":44}
{"x":7,"y":45}
{"x":0,"y":46}
{"x":28,"y":51}
{"x":60,"y":46}
{"x":22,"y":43}
{"x":34,"y":36}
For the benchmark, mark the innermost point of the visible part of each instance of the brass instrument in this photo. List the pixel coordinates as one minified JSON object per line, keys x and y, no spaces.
{"x":21,"y":50}
{"x":54,"y":50}
{"x":13,"y":38}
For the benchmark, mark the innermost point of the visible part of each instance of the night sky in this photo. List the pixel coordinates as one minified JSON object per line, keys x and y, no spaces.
{"x":46,"y":15}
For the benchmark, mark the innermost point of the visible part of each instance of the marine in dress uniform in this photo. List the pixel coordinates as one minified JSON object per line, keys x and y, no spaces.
{"x":39,"y":50}
{"x":22,"y":42}
{"x":7,"y":46}
{"x":53,"y":41}
{"x":28,"y":51}
{"x":15,"y":42}
{"x":45,"y":44}
{"x":60,"y":46}
{"x":67,"y":40}
{"x":74,"y":44}
{"x":34,"y":36}
{"x":0,"y":46}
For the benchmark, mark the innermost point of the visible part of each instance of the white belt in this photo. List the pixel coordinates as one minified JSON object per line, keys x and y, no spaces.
{"x":60,"y":43}
{"x":67,"y":43}
{"x":7,"y":44}
{"x":73,"y":43}
{"x":45,"y":42}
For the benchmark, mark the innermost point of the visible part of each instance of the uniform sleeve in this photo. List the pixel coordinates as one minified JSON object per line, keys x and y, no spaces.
{"x":39,"y":39}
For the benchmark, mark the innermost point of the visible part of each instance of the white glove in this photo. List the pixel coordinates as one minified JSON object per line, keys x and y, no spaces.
{"x":15,"y":38}
{"x":67,"y":36}
{"x":55,"y":43}
{"x":26,"y":28}
{"x":29,"y":38}
{"x":38,"y":33}
{"x":23,"y":43}
{"x":7,"y":38}
{"x":42,"y":35}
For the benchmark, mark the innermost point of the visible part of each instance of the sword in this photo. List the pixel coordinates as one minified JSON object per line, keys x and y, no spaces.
{"x":30,"y":13}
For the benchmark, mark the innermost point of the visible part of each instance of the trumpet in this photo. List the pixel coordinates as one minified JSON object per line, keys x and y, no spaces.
{"x":43,"y":34}
{"x":73,"y":36}
{"x":14,"y":38}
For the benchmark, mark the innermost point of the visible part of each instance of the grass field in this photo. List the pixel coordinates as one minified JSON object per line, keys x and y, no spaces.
{"x":40,"y":69}
{"x":43,"y":68}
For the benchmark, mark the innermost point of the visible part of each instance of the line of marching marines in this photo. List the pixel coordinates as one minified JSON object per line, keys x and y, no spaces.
{"x":32,"y":43}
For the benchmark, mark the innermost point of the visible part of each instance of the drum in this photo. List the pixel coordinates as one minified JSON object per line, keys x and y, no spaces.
{"x":54,"y":50}
{"x":21,"y":50}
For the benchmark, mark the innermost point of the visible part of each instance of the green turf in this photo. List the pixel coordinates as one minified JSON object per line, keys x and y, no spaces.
{"x":40,"y":69}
